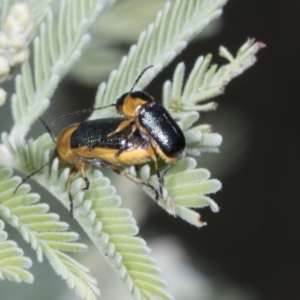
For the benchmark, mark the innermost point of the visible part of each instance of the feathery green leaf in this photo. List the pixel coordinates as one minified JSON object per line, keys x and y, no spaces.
{"x":176,"y":25}
{"x":52,"y":59}
{"x":206,"y":81}
{"x":46,"y":234}
{"x":12,"y":261}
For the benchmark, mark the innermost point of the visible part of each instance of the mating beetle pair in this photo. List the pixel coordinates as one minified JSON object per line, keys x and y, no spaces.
{"x":147,"y":133}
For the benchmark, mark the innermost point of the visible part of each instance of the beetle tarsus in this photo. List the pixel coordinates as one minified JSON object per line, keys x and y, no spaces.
{"x":71,"y":206}
{"x":87,"y":184}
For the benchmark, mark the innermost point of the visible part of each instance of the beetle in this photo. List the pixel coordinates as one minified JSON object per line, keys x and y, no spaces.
{"x":154,"y":123}
{"x":72,"y":147}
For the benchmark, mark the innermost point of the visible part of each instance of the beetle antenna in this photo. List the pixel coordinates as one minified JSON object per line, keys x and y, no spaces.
{"x":139,"y":77}
{"x":33,"y":173}
{"x":80,"y":112}
{"x":89,"y":110}
{"x":47,"y":129}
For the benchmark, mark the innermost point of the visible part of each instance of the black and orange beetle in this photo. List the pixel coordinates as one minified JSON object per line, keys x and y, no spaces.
{"x":72,"y":147}
{"x":154,"y":123}
{"x":147,"y":132}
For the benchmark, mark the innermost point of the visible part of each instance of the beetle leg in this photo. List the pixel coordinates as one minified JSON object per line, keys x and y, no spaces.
{"x":160,"y":180}
{"x":86,"y":180}
{"x":124,"y":146}
{"x":122,"y":126}
{"x":72,"y":173}
{"x":159,"y":174}
{"x":163,"y":172}
{"x":135,"y":179}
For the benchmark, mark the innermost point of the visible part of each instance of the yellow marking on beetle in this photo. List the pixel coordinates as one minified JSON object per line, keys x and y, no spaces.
{"x":167,"y":159}
{"x":126,"y":158}
{"x":129,"y":107}
{"x":64,"y":150}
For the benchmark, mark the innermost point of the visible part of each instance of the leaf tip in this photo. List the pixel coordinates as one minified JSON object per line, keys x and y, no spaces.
{"x":199,"y":222}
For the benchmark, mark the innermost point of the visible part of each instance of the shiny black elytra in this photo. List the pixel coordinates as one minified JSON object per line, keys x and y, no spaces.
{"x":88,"y":132}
